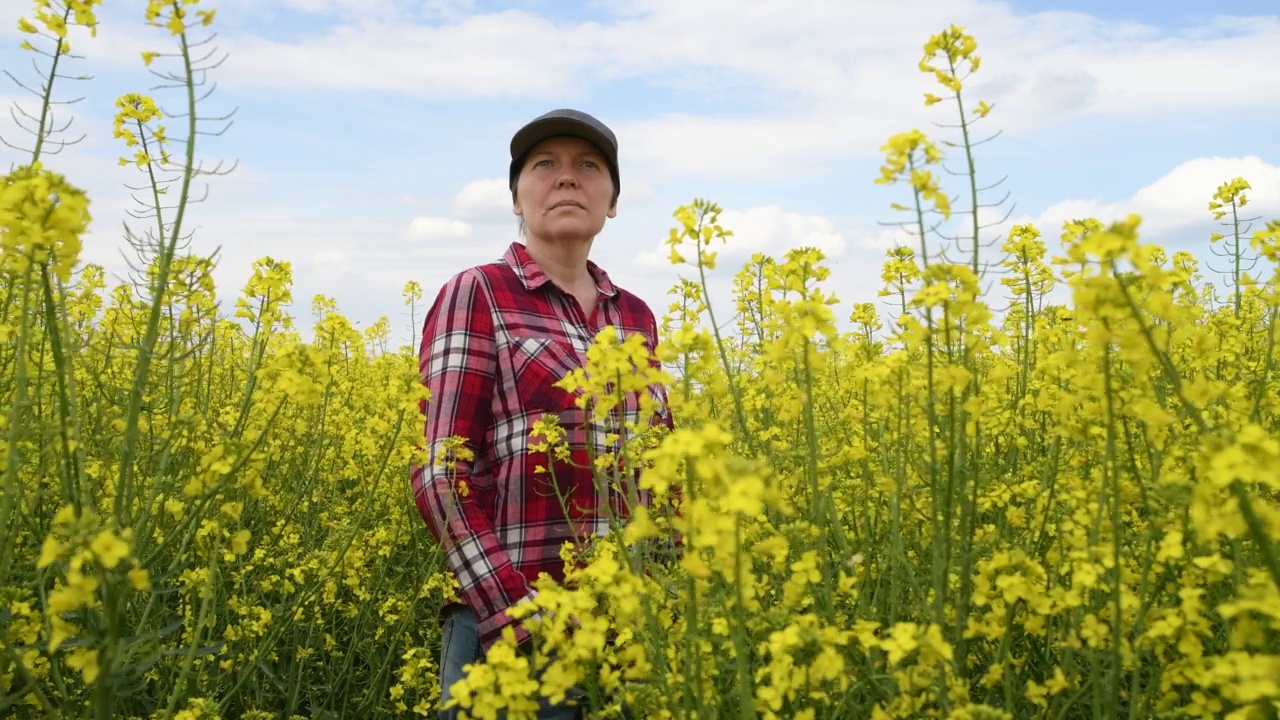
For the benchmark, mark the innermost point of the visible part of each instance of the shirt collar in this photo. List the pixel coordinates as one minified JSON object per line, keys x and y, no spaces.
{"x":526,"y":268}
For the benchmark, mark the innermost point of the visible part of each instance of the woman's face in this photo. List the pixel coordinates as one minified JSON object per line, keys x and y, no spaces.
{"x":564,"y":190}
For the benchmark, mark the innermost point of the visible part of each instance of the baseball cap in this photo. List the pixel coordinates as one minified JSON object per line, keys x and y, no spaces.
{"x":564,"y":122}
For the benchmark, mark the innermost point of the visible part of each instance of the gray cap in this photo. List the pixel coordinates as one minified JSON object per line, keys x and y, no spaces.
{"x":574,"y":123}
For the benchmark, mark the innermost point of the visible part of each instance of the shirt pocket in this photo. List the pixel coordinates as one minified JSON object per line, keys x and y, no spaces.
{"x":538,"y":363}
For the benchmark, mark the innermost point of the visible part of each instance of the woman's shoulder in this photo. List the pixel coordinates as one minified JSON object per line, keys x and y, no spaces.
{"x":484,"y":277}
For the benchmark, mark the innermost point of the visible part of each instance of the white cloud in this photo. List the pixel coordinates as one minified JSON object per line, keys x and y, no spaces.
{"x":330,"y":257}
{"x":438,"y":228}
{"x":1179,"y":200}
{"x":827,"y":53}
{"x":737,"y":145}
{"x":1174,"y":211}
{"x":887,"y":239}
{"x":1173,"y":208}
{"x":341,"y":7}
{"x":1038,"y":70}
{"x":378,"y":8}
{"x":634,"y":190}
{"x":836,"y":77}
{"x":360,"y":263}
{"x":766,"y":229}
{"x":770,"y":228}
{"x":484,"y":200}
{"x":507,"y":54}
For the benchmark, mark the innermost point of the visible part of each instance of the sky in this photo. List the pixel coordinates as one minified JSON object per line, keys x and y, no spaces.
{"x":370,"y":137}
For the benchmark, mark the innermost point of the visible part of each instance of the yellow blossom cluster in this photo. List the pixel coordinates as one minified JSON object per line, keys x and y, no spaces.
{"x":42,"y":217}
{"x":135,"y":111}
{"x":55,"y":16}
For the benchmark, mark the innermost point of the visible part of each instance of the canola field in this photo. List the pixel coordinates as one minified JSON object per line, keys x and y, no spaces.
{"x":975,"y":503}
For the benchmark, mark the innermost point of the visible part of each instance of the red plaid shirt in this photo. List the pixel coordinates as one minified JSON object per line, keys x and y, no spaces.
{"x":494,"y":342}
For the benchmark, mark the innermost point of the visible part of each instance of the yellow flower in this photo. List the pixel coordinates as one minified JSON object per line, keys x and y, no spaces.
{"x":177,"y":20}
{"x":86,"y":661}
{"x":109,"y":549}
{"x":901,"y":642}
{"x":1170,"y":547}
{"x":60,"y":630}
{"x":640,"y":527}
{"x":240,"y":542}
{"x":139,"y":579}
{"x":50,"y":551}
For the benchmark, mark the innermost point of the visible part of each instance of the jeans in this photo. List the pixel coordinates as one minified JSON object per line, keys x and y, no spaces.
{"x":459,"y":646}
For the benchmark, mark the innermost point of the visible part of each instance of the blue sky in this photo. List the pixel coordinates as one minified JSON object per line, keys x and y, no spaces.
{"x":371,"y":135}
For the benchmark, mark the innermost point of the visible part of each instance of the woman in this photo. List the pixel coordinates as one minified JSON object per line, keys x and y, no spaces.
{"x":494,"y":342}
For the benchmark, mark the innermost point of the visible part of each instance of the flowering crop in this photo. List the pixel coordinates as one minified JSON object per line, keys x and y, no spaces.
{"x":980,"y":508}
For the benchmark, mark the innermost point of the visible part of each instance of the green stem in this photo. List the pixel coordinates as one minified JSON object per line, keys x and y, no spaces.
{"x":104,"y":688}
{"x":1235,"y":255}
{"x":973,"y":173}
{"x":266,"y":645}
{"x":1257,"y":531}
{"x":158,"y":287}
{"x":1111,"y":477}
{"x":1264,"y":378}
{"x":29,"y":684}
{"x":739,"y":413}
{"x":13,"y":488}
{"x":48,"y":93}
{"x":188,"y":660}
{"x":746,"y":698}
{"x":66,"y":419}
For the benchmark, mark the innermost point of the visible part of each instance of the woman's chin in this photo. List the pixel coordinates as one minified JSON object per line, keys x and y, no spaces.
{"x":568,"y":231}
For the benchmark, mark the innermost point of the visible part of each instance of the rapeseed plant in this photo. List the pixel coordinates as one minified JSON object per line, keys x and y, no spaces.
{"x":968,"y":509}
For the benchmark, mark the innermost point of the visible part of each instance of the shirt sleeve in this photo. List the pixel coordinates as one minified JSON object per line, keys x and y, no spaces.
{"x":677,"y":540}
{"x":668,"y":419}
{"x":458,"y":361}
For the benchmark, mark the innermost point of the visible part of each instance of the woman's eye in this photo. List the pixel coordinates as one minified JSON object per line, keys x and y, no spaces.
{"x":541,"y":163}
{"x":590,"y":163}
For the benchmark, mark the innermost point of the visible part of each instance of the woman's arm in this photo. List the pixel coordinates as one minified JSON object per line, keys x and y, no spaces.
{"x":458,"y":361}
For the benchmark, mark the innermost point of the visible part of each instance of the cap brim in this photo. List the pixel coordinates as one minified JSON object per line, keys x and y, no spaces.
{"x":537,"y":131}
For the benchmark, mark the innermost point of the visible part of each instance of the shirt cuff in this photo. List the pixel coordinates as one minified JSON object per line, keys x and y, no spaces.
{"x":490,"y":629}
